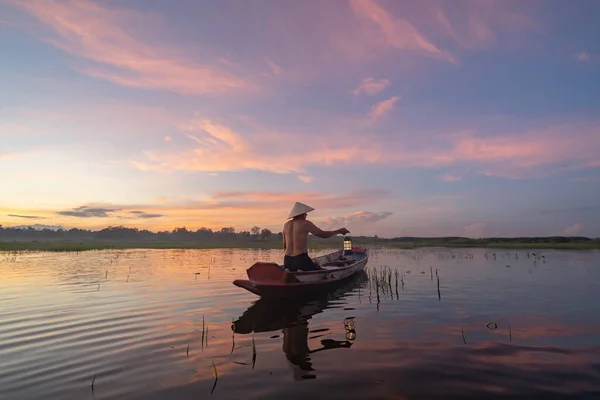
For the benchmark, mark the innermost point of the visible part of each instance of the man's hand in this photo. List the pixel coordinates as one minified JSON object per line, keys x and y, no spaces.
{"x":343,"y":231}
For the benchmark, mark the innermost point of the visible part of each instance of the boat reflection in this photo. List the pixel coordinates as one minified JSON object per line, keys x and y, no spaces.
{"x":291,"y":316}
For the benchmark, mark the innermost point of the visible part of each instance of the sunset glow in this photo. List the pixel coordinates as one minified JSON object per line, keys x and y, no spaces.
{"x":392,"y":118}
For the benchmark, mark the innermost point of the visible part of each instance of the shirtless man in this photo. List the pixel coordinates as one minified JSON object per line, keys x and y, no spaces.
{"x":295,"y":238}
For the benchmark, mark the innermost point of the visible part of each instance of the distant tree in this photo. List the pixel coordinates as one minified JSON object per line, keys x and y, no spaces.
{"x":255,"y":230}
{"x":228,"y":231}
{"x":265,"y":234}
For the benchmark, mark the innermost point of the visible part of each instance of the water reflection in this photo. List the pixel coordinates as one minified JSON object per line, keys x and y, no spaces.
{"x":292,"y":319}
{"x":140,"y":332}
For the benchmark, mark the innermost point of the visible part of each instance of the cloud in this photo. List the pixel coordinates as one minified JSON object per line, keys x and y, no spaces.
{"x":221,"y":148}
{"x":167,"y":138}
{"x":382,"y":108}
{"x":142,"y":214}
{"x":88,"y":212}
{"x":574,"y":229}
{"x":319,"y":201}
{"x":586,"y":179}
{"x":479,"y":24}
{"x":6,"y":156}
{"x":475,"y":230}
{"x":583,"y":56}
{"x":451,"y":178}
{"x":371,"y":87}
{"x":356,"y":220}
{"x":275,"y":69}
{"x":107,"y":38}
{"x":101,"y":212}
{"x":240,"y":209}
{"x":305,"y":178}
{"x":26,"y":216}
{"x":398,"y":33}
{"x":541,"y":151}
{"x":217,"y":134}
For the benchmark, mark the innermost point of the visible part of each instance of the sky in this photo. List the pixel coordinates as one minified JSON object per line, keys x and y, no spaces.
{"x":389,"y":117}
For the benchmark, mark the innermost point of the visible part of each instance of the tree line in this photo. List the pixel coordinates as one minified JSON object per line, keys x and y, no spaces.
{"x":229,"y":234}
{"x":121,"y":233}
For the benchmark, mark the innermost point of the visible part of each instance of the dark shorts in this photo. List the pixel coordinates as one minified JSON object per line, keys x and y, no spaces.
{"x":300,"y":262}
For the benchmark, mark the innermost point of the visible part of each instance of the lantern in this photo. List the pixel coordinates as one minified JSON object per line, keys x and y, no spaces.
{"x":347,"y":246}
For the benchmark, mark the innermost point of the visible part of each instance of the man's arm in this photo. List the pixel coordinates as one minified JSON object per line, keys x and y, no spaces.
{"x":312,"y":228}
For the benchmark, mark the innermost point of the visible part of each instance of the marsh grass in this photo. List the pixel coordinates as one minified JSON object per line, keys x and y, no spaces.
{"x":253,"y":353}
{"x":232,"y":335}
{"x":216,"y":377}
{"x":71,"y":246}
{"x":203,"y":332}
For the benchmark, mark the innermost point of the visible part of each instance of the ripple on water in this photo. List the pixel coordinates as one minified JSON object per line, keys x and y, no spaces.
{"x":134,"y":320}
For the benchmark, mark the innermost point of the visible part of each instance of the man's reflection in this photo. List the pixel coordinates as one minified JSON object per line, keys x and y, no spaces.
{"x":292,"y":318}
{"x":297,"y":350}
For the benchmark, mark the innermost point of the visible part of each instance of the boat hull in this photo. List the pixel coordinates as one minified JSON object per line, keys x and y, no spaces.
{"x":271,"y":280}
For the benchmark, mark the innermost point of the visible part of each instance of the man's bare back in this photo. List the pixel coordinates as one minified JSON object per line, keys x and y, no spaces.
{"x":295,"y":235}
{"x":295,"y":239}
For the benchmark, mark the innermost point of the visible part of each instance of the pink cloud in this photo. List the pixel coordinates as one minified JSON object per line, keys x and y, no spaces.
{"x":355,"y":220}
{"x":107,"y":38}
{"x":7,"y":155}
{"x":586,"y":179}
{"x":371,"y":87}
{"x":305,"y":178}
{"x":382,"y":108}
{"x":451,"y":178}
{"x":275,"y":69}
{"x":318,"y":200}
{"x":216,"y":135}
{"x":514,"y":154}
{"x":220,"y":148}
{"x":479,"y":24}
{"x":396,"y":32}
{"x":475,"y":230}
{"x":574,"y":229}
{"x":583,"y":56}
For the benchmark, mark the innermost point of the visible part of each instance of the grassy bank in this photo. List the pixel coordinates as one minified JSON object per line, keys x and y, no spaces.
{"x":499,"y":245}
{"x":314,"y":245}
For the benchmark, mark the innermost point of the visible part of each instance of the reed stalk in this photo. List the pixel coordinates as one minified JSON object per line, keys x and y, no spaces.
{"x":253,"y":353}
{"x":215,"y":369}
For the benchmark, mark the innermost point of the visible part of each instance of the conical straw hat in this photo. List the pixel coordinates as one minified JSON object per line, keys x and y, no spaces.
{"x":299,"y":209}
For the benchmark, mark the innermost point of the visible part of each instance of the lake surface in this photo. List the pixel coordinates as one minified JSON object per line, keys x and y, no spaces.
{"x":505,"y":323}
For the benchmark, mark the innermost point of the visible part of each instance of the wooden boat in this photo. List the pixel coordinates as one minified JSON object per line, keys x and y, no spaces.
{"x":272,"y":280}
{"x":270,"y":314}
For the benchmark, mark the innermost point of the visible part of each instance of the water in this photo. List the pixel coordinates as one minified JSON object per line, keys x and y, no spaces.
{"x":131,"y":322}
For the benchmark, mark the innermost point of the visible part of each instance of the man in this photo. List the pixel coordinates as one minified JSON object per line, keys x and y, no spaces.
{"x":295,"y":239}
